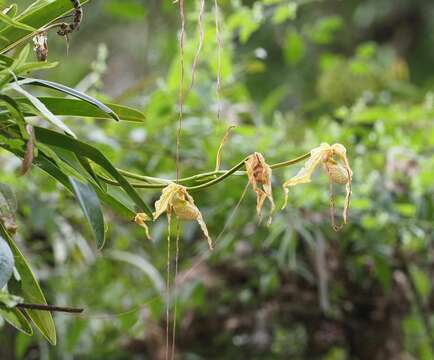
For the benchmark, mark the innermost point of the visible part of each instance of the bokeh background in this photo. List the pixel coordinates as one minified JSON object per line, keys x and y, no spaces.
{"x":294,"y":74}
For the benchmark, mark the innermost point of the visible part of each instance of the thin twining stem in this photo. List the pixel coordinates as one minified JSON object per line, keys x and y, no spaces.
{"x":162,"y":183}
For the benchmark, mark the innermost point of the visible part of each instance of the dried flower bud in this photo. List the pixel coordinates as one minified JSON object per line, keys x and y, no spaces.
{"x":40,"y":41}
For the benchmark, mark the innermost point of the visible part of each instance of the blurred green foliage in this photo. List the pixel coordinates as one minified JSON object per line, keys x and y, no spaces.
{"x":294,"y":74}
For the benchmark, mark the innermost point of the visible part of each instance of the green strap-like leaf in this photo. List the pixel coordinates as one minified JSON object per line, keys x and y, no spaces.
{"x":80,"y":148}
{"x":31,"y":291}
{"x":60,"y":169}
{"x":72,"y":92}
{"x":111,"y":200}
{"x":16,"y":24}
{"x":16,"y":318}
{"x":43,"y":110}
{"x":73,"y":107}
{"x":91,"y":207}
{"x":9,"y":72}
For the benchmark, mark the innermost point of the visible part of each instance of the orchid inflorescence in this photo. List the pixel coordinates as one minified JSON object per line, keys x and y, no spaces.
{"x":176,"y":199}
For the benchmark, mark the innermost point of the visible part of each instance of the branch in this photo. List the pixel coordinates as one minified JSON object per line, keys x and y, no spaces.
{"x":44,"y":307}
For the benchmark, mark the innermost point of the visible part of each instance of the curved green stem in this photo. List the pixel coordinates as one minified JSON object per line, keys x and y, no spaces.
{"x":149,"y":182}
{"x":291,"y":162}
{"x":144,"y":178}
{"x":217,"y":180}
{"x":150,"y":179}
{"x":137,"y":185}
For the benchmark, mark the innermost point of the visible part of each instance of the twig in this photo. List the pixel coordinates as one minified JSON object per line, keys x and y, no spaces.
{"x":53,"y":308}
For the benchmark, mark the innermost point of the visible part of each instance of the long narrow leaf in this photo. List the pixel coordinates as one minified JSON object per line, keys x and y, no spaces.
{"x":42,"y":109}
{"x":72,"y":92}
{"x":73,"y":107}
{"x":109,"y":199}
{"x":16,"y":24}
{"x":16,"y":318}
{"x":80,"y":148}
{"x":31,"y":291}
{"x":91,"y":207}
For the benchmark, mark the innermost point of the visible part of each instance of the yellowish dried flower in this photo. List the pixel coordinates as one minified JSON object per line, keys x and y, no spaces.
{"x":174,"y":197}
{"x":40,"y":42}
{"x":337,"y":172}
{"x":140,"y":219}
{"x":259,"y":174}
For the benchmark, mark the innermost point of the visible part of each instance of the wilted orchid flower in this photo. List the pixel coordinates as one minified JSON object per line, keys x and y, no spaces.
{"x":338,"y":172}
{"x":259,"y":174}
{"x":40,"y":42}
{"x":175,"y":198}
{"x":140,"y":219}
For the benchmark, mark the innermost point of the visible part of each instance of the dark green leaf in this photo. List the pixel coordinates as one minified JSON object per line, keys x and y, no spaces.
{"x":112,"y":200}
{"x":91,"y":207}
{"x":9,"y":21}
{"x":80,"y":148}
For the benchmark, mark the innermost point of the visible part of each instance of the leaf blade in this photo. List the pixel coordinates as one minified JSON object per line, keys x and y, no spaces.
{"x":91,"y":207}
{"x":70,"y":91}
{"x":16,"y":318}
{"x":53,"y":138}
{"x":75,"y":107}
{"x":31,"y":291}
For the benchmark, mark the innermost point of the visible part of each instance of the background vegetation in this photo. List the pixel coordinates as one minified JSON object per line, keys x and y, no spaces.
{"x":294,"y":74}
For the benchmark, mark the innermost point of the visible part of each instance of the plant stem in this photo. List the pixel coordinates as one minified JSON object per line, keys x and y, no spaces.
{"x":217,"y":180}
{"x":149,"y":182}
{"x":44,"y":307}
{"x":138,"y":185}
{"x":291,"y":162}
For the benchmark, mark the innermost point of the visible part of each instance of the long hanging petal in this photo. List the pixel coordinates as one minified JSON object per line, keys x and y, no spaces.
{"x":141,"y":219}
{"x":163,"y":204}
{"x":305,"y":174}
{"x":338,"y":172}
{"x":341,"y":152}
{"x":175,"y":197}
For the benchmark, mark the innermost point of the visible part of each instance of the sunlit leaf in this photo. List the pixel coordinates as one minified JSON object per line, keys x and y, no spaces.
{"x":31,"y":291}
{"x":79,"y":108}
